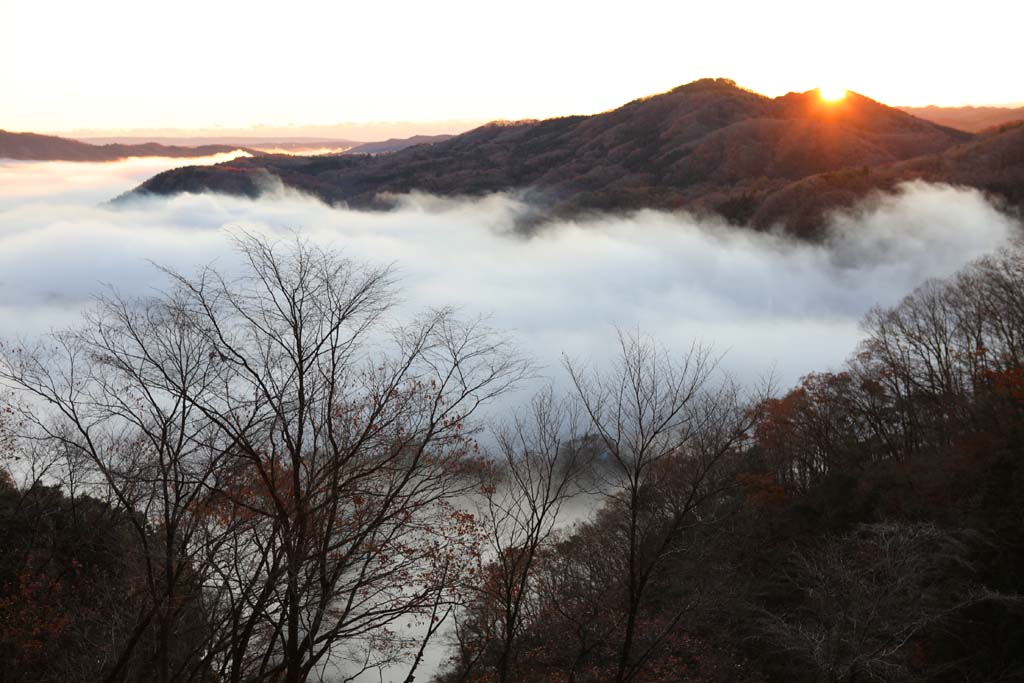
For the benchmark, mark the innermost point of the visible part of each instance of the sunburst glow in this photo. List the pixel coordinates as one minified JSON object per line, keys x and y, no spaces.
{"x":831,"y":93}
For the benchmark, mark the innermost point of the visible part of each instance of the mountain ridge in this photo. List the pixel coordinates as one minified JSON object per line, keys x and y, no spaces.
{"x":970,"y":119}
{"x":38,"y":147}
{"x":708,"y":146}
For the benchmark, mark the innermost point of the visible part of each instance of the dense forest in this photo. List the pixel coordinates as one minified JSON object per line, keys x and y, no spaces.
{"x":265,"y":477}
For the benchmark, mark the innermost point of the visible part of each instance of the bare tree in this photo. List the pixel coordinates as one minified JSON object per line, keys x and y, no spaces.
{"x":540,"y":465}
{"x":297,"y":455}
{"x":667,"y":429}
{"x":926,"y":362}
{"x":867,"y":595}
{"x":116,"y":397}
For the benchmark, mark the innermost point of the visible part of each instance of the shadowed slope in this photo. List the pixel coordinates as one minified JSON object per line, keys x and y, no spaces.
{"x":708,"y":146}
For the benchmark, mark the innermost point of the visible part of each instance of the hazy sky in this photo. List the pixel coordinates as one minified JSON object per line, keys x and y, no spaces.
{"x":117,"y":64}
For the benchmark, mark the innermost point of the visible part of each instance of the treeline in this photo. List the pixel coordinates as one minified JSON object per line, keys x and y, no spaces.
{"x":263,"y":478}
{"x":868,"y":525}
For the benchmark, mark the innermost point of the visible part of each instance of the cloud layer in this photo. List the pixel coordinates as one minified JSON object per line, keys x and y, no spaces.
{"x":763,"y":299}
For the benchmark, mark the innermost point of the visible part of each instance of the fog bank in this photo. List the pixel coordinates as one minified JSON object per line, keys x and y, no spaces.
{"x":763,"y":299}
{"x":766,"y":301}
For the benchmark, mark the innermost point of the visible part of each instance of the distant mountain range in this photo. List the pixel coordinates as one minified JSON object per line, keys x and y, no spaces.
{"x":35,"y":147}
{"x":237,"y":140}
{"x":396,"y":144}
{"x":972,"y":119}
{"x":253,"y":143}
{"x":707,"y":147}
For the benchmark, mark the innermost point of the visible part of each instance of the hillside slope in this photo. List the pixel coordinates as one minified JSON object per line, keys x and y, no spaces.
{"x":396,"y":144}
{"x":708,"y":146}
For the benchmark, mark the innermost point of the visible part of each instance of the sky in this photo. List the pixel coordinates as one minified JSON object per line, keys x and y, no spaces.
{"x":116,"y":65}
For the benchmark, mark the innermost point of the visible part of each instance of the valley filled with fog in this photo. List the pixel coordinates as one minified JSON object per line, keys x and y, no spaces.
{"x":768,"y":303}
{"x":624,"y":344}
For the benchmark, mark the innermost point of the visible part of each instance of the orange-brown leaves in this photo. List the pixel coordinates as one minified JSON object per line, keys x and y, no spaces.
{"x":1008,"y":383}
{"x":762,"y":490}
{"x":31,"y":614}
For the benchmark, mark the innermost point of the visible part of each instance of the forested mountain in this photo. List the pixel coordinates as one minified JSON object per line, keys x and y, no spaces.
{"x":35,"y":147}
{"x":993,"y":163}
{"x":708,"y":146}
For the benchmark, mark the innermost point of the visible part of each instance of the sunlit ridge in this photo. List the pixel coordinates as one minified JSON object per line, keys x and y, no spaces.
{"x":831,"y":93}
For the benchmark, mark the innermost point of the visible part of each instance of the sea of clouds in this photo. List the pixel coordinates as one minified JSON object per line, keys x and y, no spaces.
{"x":767,"y":302}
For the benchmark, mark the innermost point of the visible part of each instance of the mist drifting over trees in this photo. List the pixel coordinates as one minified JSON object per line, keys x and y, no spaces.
{"x":269,"y":475}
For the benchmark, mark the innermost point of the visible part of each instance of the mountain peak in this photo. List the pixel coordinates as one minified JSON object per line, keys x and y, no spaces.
{"x":858,"y":112}
{"x":707,"y":146}
{"x":722,"y":85}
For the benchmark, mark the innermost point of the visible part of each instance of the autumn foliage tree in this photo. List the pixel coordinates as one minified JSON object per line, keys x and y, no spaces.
{"x":664,"y":435}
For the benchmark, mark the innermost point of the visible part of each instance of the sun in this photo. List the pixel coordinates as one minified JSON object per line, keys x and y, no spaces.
{"x":831,"y":93}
